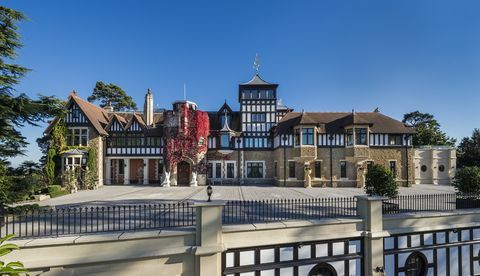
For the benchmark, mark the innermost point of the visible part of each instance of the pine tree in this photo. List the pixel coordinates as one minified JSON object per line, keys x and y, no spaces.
{"x":17,"y":110}
{"x":111,"y":94}
{"x":428,"y":130}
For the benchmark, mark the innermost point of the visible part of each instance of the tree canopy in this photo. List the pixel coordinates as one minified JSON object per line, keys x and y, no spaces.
{"x":111,"y":94}
{"x":428,"y":130}
{"x":380,"y":181}
{"x":17,"y":110}
{"x":468,"y":151}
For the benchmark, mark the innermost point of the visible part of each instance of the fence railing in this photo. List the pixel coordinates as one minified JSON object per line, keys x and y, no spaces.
{"x":429,"y":202}
{"x":79,"y":220}
{"x":238,"y":212}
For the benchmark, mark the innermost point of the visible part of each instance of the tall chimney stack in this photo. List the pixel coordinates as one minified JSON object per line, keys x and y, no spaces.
{"x":148,"y":108}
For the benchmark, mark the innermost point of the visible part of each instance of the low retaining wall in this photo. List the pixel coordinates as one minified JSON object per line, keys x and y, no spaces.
{"x":201,"y":250}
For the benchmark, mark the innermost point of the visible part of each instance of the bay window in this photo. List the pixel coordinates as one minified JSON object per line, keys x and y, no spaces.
{"x":307,"y":136}
{"x":361,"y":136}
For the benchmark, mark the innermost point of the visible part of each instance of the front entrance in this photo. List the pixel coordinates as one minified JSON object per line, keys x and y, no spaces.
{"x":183,"y":174}
{"x":136,"y":171}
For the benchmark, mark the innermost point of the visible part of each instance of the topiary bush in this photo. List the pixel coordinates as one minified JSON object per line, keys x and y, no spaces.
{"x":380,"y":182}
{"x":467,"y":181}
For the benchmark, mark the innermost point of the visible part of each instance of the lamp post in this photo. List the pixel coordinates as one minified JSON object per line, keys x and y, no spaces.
{"x":330,"y":138}
{"x":239,"y":141}
{"x":209,"y":192}
{"x":407,"y":137}
{"x":284,"y":139}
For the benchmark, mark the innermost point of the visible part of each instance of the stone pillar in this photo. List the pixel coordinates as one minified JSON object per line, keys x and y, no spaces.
{"x":433,"y":168}
{"x":370,"y":209}
{"x":209,"y":241}
{"x":108,"y":171}
{"x":146,"y":171}
{"x":126,"y":174}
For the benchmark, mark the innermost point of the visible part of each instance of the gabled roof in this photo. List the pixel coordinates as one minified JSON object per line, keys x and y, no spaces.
{"x":216,"y":121}
{"x":225,"y":106}
{"x":96,"y":115}
{"x":138,"y":119}
{"x":335,"y":122}
{"x":115,"y":117}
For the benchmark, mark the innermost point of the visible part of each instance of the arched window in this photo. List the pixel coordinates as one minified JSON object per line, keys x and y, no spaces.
{"x":323,"y":269}
{"x":416,"y":265}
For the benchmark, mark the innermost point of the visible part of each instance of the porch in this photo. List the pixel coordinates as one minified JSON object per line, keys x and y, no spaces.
{"x":133,"y":170}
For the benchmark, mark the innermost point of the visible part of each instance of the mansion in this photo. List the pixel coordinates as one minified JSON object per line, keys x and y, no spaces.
{"x":263,"y":142}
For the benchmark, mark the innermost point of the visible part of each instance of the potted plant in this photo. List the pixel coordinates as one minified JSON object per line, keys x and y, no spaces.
{"x":467,"y":185}
{"x":380,"y":181}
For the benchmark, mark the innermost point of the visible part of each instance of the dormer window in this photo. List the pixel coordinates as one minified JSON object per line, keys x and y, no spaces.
{"x":226,"y":116}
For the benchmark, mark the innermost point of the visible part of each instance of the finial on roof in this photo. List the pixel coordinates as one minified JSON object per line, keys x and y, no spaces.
{"x":353,"y":111}
{"x":376,"y":110}
{"x":74,"y":93}
{"x":149,"y":91}
{"x":256,"y":64}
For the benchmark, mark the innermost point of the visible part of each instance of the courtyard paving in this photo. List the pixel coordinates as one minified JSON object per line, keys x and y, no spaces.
{"x":111,"y":195}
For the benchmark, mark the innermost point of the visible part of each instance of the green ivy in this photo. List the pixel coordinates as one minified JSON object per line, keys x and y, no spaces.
{"x":59,"y":136}
{"x":91,"y":159}
{"x":50,"y":166}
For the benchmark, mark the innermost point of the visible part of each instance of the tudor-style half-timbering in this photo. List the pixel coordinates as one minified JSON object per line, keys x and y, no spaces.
{"x":263,"y":142}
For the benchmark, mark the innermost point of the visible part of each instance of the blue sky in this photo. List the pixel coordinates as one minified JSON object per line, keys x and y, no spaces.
{"x":333,"y":55}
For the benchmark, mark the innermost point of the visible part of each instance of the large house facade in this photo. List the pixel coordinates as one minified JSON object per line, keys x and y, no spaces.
{"x":263,"y":142}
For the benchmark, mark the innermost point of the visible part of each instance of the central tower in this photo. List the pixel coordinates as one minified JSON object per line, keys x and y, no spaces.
{"x":258,"y":105}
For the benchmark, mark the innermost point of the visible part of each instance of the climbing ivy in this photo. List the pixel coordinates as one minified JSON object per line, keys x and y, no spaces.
{"x":50,"y":166}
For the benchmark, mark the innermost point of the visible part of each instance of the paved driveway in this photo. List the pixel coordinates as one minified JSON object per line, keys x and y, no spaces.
{"x":109,"y":195}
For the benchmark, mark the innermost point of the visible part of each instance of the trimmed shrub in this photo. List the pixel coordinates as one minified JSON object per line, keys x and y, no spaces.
{"x":56,"y":191}
{"x":380,"y":182}
{"x":467,"y":181}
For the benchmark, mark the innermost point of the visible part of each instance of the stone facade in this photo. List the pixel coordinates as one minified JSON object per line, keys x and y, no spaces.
{"x":355,"y":158}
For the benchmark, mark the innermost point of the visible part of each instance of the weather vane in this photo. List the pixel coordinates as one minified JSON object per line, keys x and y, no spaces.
{"x":256,"y":64}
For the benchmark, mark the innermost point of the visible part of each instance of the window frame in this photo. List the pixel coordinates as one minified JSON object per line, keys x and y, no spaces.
{"x":71,"y":136}
{"x":308,"y":136}
{"x":393,"y":168}
{"x":292,"y":169}
{"x":248,"y":167}
{"x":319,"y":167}
{"x":343,"y":169}
{"x":359,"y":134}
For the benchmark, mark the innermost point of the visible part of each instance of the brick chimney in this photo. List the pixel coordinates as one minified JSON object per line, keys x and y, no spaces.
{"x":148,"y":108}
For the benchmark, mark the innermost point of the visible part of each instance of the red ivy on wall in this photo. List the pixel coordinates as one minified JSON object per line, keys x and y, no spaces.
{"x":186,"y":140}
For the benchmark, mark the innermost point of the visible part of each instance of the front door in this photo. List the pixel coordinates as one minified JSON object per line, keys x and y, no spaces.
{"x":183,"y":173}
{"x":136,"y":171}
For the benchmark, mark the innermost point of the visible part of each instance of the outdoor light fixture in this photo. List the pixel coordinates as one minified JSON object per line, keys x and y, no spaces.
{"x":209,"y":192}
